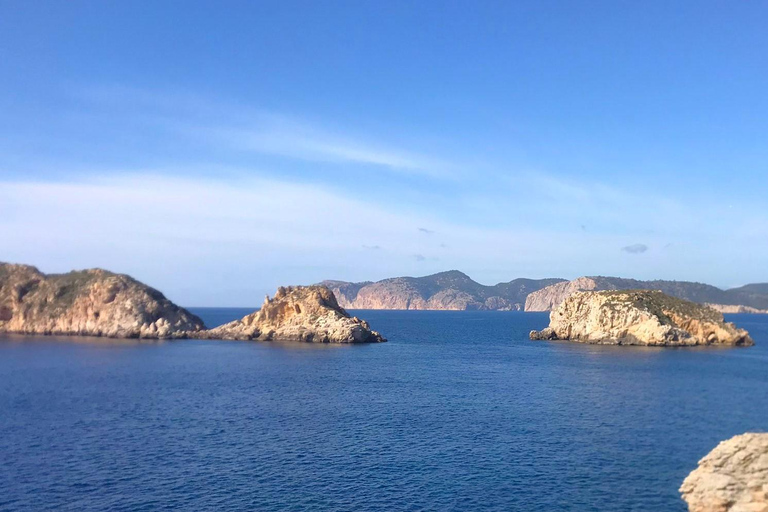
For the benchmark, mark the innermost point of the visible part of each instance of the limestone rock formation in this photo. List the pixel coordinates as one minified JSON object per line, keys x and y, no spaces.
{"x":88,"y":302}
{"x":751,"y":297}
{"x":731,"y":478}
{"x":639,"y":317}
{"x":452,"y":290}
{"x":299,"y":313}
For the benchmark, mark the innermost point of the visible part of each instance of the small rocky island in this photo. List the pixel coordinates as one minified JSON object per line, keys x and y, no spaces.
{"x":638,"y":317}
{"x":731,"y":478}
{"x":87,"y":303}
{"x":298,"y":313}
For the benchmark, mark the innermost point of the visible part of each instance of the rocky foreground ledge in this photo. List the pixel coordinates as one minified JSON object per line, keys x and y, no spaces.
{"x":638,"y":317}
{"x":87,"y":303}
{"x":298,"y":313}
{"x":731,"y":478}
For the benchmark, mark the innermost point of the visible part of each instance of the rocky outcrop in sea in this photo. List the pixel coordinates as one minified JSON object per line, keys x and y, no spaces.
{"x":88,"y":303}
{"x":638,"y":317}
{"x":298,"y":313}
{"x":733,"y":477}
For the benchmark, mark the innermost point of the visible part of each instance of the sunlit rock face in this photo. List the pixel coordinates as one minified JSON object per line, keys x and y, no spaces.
{"x":91,"y":302}
{"x":731,"y":478}
{"x":299,"y":313}
{"x":639,"y":317}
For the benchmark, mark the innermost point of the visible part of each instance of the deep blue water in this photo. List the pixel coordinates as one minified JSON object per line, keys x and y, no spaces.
{"x":459,"y":411}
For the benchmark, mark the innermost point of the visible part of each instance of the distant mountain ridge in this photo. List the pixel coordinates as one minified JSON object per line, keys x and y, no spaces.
{"x":451,"y":290}
{"x":454,"y":290}
{"x":551,"y":296}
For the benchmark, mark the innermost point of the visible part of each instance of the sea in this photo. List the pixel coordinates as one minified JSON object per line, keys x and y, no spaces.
{"x":458,"y":411}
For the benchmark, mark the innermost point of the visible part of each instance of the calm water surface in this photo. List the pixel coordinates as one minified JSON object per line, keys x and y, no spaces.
{"x":459,"y":411}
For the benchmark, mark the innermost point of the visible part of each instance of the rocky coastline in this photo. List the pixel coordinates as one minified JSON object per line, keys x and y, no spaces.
{"x":746,"y":299}
{"x":444,"y":291}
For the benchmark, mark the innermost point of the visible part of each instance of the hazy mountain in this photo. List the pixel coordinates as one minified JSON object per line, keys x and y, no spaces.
{"x":446,"y":290}
{"x":455,"y":290}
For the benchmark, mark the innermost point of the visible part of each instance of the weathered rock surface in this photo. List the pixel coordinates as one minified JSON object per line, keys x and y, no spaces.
{"x":733,"y":477}
{"x":639,"y":317}
{"x":298,"y":313}
{"x":90,"y":303}
{"x":750,"y":296}
{"x":452,"y":290}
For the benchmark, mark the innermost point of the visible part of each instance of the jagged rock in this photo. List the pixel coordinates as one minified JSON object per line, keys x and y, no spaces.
{"x":750,"y":296}
{"x":452,"y":290}
{"x":299,"y":313}
{"x":731,"y":478}
{"x":639,"y":317}
{"x":88,"y":302}
{"x":545,"y":334}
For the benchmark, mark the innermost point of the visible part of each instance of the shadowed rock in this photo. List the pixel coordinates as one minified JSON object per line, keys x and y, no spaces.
{"x":88,"y":303}
{"x":731,"y":478}
{"x":299,"y":313}
{"x":638,"y":317}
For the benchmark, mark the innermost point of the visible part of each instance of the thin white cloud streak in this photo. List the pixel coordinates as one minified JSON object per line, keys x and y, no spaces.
{"x":244,"y":128}
{"x":295,"y":140}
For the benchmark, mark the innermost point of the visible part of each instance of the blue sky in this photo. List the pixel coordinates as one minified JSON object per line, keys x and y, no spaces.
{"x":217,"y":150}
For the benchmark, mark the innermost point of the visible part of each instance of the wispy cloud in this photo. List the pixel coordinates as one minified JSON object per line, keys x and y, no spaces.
{"x":314,"y":145}
{"x":372,"y":247}
{"x":426,"y":231}
{"x":635,"y":248}
{"x":252,"y":129}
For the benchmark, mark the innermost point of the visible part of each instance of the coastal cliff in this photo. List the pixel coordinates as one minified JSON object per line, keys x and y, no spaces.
{"x":298,"y":313}
{"x":638,"y":317}
{"x":747,"y":299}
{"x":733,"y":477}
{"x":91,"y":302}
{"x":729,"y":308}
{"x":451,"y":290}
